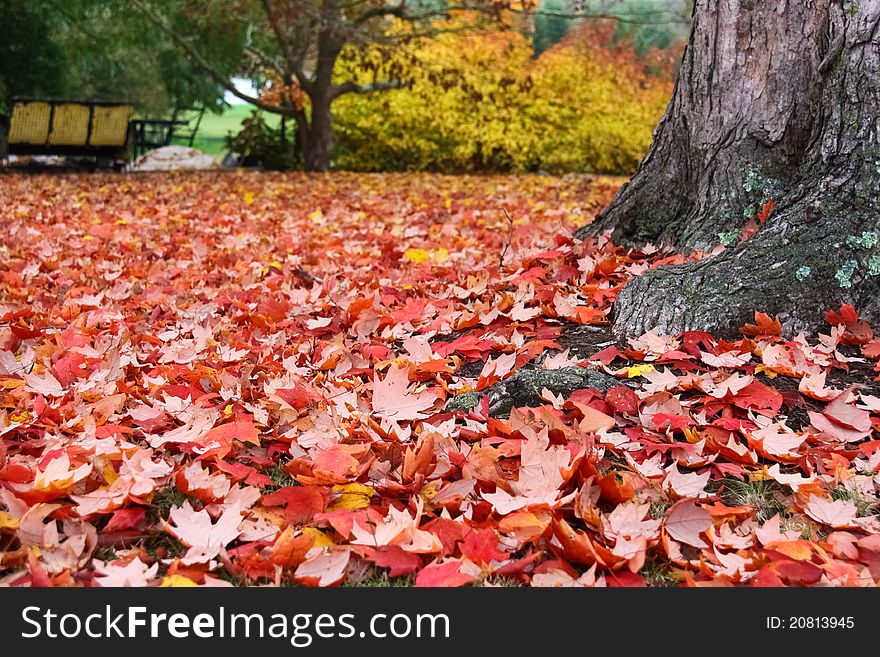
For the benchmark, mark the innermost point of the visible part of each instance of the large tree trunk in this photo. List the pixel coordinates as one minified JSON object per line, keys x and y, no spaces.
{"x":775,"y":100}
{"x":319,"y":145}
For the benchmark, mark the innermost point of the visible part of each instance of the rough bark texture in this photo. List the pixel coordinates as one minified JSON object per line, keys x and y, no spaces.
{"x":775,"y":100}
{"x":524,"y":388}
{"x":318,"y":144}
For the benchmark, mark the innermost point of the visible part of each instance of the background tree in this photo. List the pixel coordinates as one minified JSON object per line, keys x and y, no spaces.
{"x":770,"y":104}
{"x":651,"y":34}
{"x":551,"y":24}
{"x":298,"y":43}
{"x":100,"y":49}
{"x":30,"y":61}
{"x":165,"y":53}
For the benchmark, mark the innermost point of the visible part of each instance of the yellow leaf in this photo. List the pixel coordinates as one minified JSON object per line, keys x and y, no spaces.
{"x":770,"y":374}
{"x":321,"y":539}
{"x":108,"y":471}
{"x":418,"y":256}
{"x":691,"y":434}
{"x":7,"y":521}
{"x":759,"y":475}
{"x":352,"y":497}
{"x":249,"y":198}
{"x":637,"y":370}
{"x":429,"y":491}
{"x":176,"y":581}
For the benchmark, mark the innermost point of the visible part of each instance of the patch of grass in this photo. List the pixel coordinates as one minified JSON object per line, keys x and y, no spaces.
{"x":373,"y":578}
{"x":211,"y":137}
{"x":105,"y":553}
{"x":163,"y":546}
{"x":504,"y":582}
{"x":166,"y":499}
{"x":659,"y":507}
{"x":279,"y":478}
{"x":657,"y":573}
{"x":865,"y":504}
{"x":224,"y":574}
{"x":763,"y":495}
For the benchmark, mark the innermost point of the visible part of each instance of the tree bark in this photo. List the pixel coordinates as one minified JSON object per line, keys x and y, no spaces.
{"x":775,"y":101}
{"x":319,"y":144}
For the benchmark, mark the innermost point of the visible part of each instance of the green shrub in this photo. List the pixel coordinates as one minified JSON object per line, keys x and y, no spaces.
{"x":258,"y":144}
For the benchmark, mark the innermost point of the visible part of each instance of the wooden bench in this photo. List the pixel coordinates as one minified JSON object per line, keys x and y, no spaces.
{"x":68,"y":128}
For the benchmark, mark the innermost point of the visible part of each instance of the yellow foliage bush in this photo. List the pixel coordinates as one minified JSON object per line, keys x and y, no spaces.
{"x":478,"y":101}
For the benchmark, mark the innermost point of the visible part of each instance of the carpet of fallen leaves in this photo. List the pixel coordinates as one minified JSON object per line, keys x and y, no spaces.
{"x":241,"y":378}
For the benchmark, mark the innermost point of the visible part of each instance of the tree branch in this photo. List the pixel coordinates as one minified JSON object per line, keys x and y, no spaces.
{"x":398,"y":11}
{"x":655,"y":16}
{"x":292,"y":61}
{"x":352,"y":87}
{"x":203,"y":63}
{"x":265,"y":60}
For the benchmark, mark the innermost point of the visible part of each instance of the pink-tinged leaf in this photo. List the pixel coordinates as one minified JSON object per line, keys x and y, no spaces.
{"x":540,"y":477}
{"x":843,"y":412}
{"x":813,"y":385}
{"x":204,"y":537}
{"x":685,"y":522}
{"x":32,"y":529}
{"x":771,"y":532}
{"x":593,"y":421}
{"x":134,"y":573}
{"x":732,"y":566}
{"x":393,"y":400}
{"x":448,"y":574}
{"x":793,"y":481}
{"x":44,"y":384}
{"x":683,"y":485}
{"x":726,"y":359}
{"x":777,"y":440}
{"x":630,"y":521}
{"x":836,"y":431}
{"x":325,"y":567}
{"x":839,"y":514}
{"x":197,"y":481}
{"x":557,"y":578}
{"x":495,"y":369}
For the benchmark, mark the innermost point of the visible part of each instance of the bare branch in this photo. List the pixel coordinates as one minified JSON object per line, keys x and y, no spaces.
{"x":265,"y":60}
{"x":197,"y":58}
{"x":292,"y":60}
{"x":649,"y":17}
{"x":398,"y":11}
{"x":352,"y":87}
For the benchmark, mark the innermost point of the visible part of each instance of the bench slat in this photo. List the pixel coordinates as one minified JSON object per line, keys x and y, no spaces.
{"x":70,"y":125}
{"x":29,"y":123}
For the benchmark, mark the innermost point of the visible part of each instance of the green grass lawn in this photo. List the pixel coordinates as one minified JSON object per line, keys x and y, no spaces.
{"x":211,"y":137}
